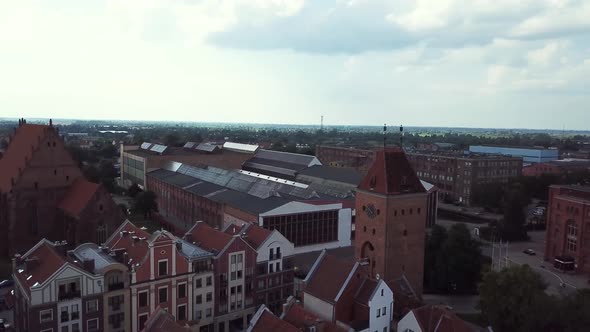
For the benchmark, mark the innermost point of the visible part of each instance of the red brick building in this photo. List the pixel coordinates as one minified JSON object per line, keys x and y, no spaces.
{"x":391,"y":206}
{"x":44,"y":195}
{"x":335,"y":156}
{"x":568,"y":227}
{"x":234,"y":267}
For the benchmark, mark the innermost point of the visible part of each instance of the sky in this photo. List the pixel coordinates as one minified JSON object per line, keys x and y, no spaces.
{"x":455,"y":63}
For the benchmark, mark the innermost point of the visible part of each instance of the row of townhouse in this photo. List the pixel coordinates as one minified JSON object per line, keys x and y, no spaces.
{"x":208,"y":280}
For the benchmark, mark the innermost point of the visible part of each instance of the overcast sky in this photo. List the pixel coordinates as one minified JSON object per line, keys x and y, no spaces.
{"x":473,"y":63}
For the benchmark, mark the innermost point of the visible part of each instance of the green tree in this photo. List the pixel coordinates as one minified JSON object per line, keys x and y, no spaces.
{"x":133,"y":190}
{"x":515,"y":300}
{"x":458,"y":262}
{"x":513,"y":226}
{"x":575,"y":311}
{"x":434,"y":242}
{"x":107,"y":174}
{"x":145,"y":202}
{"x":172,"y":140}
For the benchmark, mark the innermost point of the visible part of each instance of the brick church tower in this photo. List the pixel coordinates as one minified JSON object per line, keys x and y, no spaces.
{"x":390,"y":220}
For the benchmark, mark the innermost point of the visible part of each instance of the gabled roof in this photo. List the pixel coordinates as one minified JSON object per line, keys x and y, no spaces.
{"x":254,"y":234}
{"x":20,"y":149}
{"x":366,"y":290}
{"x":46,"y":260}
{"x":328,"y":277}
{"x":265,"y":321}
{"x":78,"y":197}
{"x":209,"y":238}
{"x":132,"y":239}
{"x":162,"y":321}
{"x":437,"y":319}
{"x":297,"y":316}
{"x":391,"y":174}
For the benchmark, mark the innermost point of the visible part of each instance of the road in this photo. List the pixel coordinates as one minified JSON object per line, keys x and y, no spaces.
{"x":515,"y":255}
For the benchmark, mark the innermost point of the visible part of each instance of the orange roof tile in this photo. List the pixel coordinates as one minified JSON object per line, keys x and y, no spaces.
{"x":391,"y":173}
{"x":78,"y":197}
{"x":256,"y":235}
{"x":209,"y":238}
{"x":437,"y":319}
{"x":46,"y":260}
{"x":137,"y":251}
{"x":329,"y":277}
{"x":20,"y":149}
{"x":270,"y":323}
{"x":162,"y":321}
{"x":301,"y":319}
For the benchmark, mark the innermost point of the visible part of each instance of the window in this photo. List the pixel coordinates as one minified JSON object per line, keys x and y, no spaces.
{"x":163,"y":294}
{"x":240,"y":274}
{"x":271,"y":254}
{"x":143,"y":299}
{"x":382,"y":292}
{"x":378,"y":312}
{"x":181,"y":312}
{"x":92,"y":306}
{"x":64,"y":314}
{"x":209,"y":297}
{"x":46,"y":316}
{"x":384,"y":311}
{"x":199,"y":283}
{"x":199,"y":314}
{"x":208,"y":312}
{"x":65,"y":328}
{"x":142,"y":320}
{"x":199,"y":299}
{"x":278,"y":267}
{"x":162,"y":268}
{"x":571,"y":245}
{"x":209,"y":281}
{"x":239,"y":290}
{"x":270,"y":268}
{"x":76,"y":327}
{"x":182,"y":291}
{"x":101,"y":233}
{"x":75,"y":312}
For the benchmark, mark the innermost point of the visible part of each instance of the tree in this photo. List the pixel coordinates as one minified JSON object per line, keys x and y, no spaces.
{"x":452,"y":260}
{"x":145,"y":202}
{"x":172,"y":140}
{"x":107,"y":173}
{"x":133,"y":190}
{"x":513,"y":226}
{"x":574,"y":311}
{"x":514,"y":299}
{"x":434,"y":242}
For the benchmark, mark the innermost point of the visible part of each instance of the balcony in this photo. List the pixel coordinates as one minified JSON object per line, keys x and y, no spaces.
{"x":63,"y":296}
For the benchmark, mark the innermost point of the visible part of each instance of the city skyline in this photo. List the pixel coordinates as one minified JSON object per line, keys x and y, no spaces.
{"x":475,"y":64}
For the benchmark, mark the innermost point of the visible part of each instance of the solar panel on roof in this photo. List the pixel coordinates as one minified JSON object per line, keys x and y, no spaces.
{"x":158,"y":148}
{"x":189,"y":145}
{"x":145,"y":145}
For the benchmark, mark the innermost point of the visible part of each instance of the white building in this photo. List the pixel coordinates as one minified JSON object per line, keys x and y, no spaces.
{"x":432,"y":319}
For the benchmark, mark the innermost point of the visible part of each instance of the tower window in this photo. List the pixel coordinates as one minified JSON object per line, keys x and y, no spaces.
{"x":365,"y":229}
{"x":403,"y":212}
{"x":373,"y":231}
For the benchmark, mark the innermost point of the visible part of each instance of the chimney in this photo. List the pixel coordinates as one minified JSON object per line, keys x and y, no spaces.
{"x":179,"y":246}
{"x":88,"y":265}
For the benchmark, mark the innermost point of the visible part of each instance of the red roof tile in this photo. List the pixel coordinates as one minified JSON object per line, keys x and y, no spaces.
{"x":209,"y":238}
{"x":270,"y":323}
{"x":137,"y":250}
{"x":256,"y":235}
{"x":366,"y":290}
{"x":78,"y":197}
{"x":391,"y":173}
{"x":301,"y":319}
{"x":329,"y":277}
{"x":20,"y":149}
{"x":162,"y":321}
{"x":45,"y":262}
{"x":437,"y":319}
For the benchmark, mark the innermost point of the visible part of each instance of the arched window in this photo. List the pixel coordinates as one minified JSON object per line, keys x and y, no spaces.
{"x":101,"y":233}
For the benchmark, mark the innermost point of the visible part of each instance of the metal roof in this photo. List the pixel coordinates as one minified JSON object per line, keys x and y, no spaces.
{"x":239,"y":147}
{"x":337,"y":174}
{"x":287,"y":157}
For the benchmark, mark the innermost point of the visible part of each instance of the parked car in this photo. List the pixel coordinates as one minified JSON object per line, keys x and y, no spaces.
{"x":529,"y":252}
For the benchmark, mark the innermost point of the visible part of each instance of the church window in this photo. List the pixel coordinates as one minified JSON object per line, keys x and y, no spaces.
{"x":101,"y":233}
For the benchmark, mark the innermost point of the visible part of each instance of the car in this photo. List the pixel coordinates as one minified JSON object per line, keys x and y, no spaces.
{"x":529,"y":252}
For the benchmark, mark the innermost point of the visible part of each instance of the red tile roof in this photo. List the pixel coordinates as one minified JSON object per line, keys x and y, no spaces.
{"x":162,"y":321}
{"x":437,"y":319}
{"x":20,"y":149}
{"x":209,"y":238}
{"x":45,"y":261}
{"x":391,"y":174}
{"x":137,"y":250}
{"x":78,"y":197}
{"x":256,"y":235}
{"x":328,"y":277}
{"x":366,"y":290}
{"x":270,"y":323}
{"x":297,"y":316}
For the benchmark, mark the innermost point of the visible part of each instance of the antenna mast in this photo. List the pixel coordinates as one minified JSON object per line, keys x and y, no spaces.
{"x":384,"y":136}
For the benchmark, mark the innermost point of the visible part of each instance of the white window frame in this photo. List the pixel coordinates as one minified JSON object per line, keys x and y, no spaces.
{"x":167,"y":267}
{"x":147,"y":298}
{"x":41,"y":314}
{"x":95,"y":301}
{"x":97,"y":324}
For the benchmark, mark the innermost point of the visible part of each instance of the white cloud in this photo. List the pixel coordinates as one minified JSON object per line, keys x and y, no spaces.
{"x":545,"y":55}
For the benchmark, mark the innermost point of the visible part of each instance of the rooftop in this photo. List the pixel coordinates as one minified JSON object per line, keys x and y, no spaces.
{"x":437,"y":319}
{"x":337,"y":174}
{"x":265,"y":321}
{"x":207,"y":237}
{"x":162,"y":321}
{"x":91,"y":251}
{"x":78,"y":197}
{"x":391,"y":173}
{"x":328,"y":277}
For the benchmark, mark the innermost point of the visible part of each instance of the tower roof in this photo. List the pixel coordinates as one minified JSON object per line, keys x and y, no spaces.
{"x":391,"y":174}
